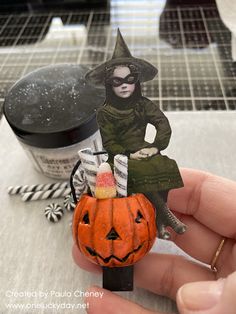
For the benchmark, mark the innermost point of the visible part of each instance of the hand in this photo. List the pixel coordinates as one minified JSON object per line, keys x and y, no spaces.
{"x":144,"y":153}
{"x":207,"y":206}
{"x":149,"y":151}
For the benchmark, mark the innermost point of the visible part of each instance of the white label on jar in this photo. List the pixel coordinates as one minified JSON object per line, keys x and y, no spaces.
{"x":56,"y":167}
{"x":59,"y":162}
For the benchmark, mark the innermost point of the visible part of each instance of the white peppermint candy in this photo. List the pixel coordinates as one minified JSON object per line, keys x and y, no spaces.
{"x":69,"y":203}
{"x":53,"y":212}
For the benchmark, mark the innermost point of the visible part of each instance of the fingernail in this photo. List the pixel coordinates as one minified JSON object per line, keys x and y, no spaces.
{"x":199,"y":296}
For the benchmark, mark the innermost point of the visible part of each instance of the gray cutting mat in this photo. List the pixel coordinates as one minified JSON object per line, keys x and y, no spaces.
{"x":191,"y":48}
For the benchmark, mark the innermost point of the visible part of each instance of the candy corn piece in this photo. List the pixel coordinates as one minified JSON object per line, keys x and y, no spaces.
{"x":105,"y":182}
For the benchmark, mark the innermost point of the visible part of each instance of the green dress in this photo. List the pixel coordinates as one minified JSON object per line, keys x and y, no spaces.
{"x":123,"y":132}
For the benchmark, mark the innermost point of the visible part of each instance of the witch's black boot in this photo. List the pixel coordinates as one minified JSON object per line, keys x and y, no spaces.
{"x":172,"y":221}
{"x":164,"y":217}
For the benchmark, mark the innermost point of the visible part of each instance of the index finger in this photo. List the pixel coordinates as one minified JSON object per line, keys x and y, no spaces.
{"x":209,"y":198}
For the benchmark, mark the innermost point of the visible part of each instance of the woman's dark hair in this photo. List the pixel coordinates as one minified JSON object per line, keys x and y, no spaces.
{"x":109,"y":71}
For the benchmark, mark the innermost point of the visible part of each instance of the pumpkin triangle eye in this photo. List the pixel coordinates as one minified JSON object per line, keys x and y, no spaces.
{"x":139,"y":217}
{"x":112,"y":235}
{"x":86,"y":218}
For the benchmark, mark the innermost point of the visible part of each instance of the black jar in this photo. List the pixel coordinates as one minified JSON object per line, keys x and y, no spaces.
{"x":52,"y":112}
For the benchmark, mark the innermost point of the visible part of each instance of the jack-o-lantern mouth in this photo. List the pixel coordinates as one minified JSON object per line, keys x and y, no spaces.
{"x":107,"y":259}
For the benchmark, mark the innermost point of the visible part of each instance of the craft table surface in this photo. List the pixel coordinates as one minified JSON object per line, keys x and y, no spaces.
{"x":36,"y":255}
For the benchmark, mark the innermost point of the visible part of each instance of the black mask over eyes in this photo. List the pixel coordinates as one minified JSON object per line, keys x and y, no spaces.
{"x":116,"y":81}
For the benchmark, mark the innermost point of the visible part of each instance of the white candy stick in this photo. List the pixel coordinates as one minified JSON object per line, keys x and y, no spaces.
{"x":13,"y":190}
{"x":43,"y":195}
{"x":121,"y":174}
{"x":88,"y":161}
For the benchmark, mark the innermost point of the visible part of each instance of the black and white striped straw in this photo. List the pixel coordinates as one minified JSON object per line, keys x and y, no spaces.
{"x":43,"y":195}
{"x":13,"y":190}
{"x":89,"y":164}
{"x":79,"y":182}
{"x":121,"y":174}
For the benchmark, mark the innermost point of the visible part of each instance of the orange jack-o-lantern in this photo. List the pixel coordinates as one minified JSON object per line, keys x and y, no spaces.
{"x":114,"y":232}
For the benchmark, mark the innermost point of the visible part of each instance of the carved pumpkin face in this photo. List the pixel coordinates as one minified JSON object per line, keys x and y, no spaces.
{"x":114,"y":232}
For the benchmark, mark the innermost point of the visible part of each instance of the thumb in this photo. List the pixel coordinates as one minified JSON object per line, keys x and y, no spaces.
{"x":208,"y":297}
{"x":103,"y":301}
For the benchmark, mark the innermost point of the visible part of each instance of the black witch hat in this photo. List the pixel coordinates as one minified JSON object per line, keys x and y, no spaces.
{"x":121,"y":56}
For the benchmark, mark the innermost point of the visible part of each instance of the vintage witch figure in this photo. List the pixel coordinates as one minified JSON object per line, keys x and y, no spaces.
{"x":123,"y":122}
